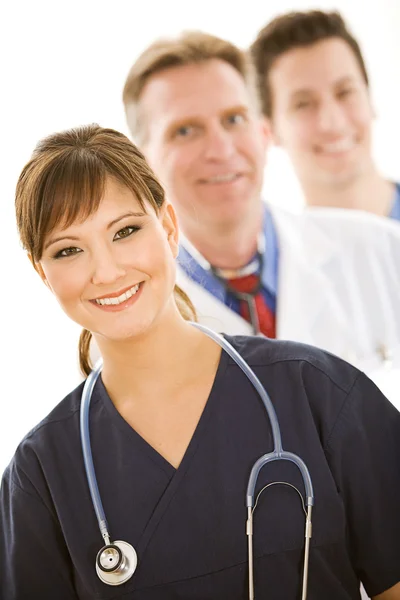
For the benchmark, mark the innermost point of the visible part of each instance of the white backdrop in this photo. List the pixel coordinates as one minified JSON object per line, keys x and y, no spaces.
{"x":64,"y":64}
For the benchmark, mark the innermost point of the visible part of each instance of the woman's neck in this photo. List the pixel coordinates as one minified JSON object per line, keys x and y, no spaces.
{"x":157,"y":362}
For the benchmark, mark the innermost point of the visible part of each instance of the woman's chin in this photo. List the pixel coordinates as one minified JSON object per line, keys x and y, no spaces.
{"x":126,"y":333}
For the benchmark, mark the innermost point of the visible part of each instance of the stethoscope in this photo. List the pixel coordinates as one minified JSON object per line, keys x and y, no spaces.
{"x":116,"y":561}
{"x":255,"y":267}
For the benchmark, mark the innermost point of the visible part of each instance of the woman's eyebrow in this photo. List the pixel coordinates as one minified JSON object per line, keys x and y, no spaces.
{"x":59,"y":239}
{"x":128,"y":214}
{"x":113,"y":222}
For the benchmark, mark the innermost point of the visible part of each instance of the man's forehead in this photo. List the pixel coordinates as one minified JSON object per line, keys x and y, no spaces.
{"x":194,"y":89}
{"x":325,"y":62}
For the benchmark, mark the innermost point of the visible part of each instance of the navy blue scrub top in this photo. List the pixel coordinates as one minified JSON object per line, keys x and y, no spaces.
{"x":188,"y":524}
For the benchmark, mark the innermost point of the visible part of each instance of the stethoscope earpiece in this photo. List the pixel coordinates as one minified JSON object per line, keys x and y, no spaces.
{"x":116,"y":563}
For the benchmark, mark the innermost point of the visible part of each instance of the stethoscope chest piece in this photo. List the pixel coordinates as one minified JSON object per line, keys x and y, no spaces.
{"x":116,"y":563}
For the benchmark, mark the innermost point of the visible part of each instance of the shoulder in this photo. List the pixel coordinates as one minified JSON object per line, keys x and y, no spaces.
{"x":304,"y":380}
{"x":302,"y":361}
{"x":63,"y":411}
{"x":355,"y":223}
{"x":55,"y":431}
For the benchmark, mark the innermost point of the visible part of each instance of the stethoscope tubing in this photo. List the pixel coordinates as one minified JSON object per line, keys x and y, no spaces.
{"x":87,"y":450}
{"x":278,"y":453}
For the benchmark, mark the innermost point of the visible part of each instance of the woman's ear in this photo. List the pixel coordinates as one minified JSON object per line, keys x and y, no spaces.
{"x":39,"y":269}
{"x":170,"y":224}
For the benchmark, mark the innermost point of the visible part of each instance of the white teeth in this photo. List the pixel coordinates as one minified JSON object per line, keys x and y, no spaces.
{"x":122,"y":298}
{"x":222,"y":178}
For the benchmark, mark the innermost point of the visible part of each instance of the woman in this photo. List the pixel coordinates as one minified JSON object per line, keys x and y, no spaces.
{"x":175,"y":425}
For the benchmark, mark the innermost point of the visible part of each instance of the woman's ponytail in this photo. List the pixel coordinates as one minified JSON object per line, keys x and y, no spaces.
{"x":184,"y":304}
{"x":84,"y":352}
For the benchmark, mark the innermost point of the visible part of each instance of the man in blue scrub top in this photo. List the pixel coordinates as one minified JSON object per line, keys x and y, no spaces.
{"x":315,"y":94}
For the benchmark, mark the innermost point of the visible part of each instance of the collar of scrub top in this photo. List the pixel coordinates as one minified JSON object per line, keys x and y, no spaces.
{"x":395,"y":212}
{"x":199,"y":269}
{"x":116,"y":561}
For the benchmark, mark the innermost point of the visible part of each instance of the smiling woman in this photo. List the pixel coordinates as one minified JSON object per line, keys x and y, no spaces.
{"x":87,"y":193}
{"x":175,"y":426}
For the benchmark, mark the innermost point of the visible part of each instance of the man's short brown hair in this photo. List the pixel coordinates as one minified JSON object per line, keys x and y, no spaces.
{"x":296,"y":30}
{"x":192,"y":47}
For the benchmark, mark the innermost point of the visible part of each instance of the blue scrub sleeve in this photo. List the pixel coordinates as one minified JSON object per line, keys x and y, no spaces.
{"x":34,"y":561}
{"x":364,"y":456}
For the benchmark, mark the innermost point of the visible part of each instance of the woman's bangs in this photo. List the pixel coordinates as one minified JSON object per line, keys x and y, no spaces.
{"x":71,"y":192}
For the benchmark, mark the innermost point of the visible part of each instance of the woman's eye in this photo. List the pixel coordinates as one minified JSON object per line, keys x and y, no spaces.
{"x":71,"y":251}
{"x":125,"y":232}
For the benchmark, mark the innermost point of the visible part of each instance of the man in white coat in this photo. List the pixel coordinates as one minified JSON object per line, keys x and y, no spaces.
{"x":328,"y":278}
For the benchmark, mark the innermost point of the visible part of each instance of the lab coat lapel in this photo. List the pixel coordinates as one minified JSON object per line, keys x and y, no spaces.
{"x":308,"y":310}
{"x":305,"y":303}
{"x":212,"y":312}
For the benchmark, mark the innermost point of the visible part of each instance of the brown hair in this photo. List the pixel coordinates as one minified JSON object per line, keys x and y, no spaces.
{"x":190,"y":47}
{"x":295,"y":30}
{"x":65,"y":181}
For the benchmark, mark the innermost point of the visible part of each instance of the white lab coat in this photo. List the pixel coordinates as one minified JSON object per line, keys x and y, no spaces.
{"x":338,"y":289}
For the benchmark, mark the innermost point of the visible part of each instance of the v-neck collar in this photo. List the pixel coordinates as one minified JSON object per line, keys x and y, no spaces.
{"x":117,"y":420}
{"x":174,"y":476}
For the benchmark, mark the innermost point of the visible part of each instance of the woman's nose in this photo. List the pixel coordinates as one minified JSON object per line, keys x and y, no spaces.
{"x":106,"y":269}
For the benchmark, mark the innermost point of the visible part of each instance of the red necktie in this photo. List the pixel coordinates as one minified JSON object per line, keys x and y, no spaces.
{"x":266,"y":318}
